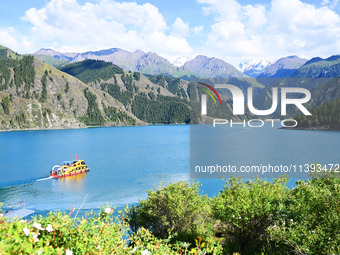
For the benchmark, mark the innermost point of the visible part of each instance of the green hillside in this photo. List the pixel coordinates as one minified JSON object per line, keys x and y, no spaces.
{"x":6,"y":53}
{"x":326,"y":116}
{"x":320,"y":68}
{"x":35,"y":95}
{"x":92,"y":70}
{"x":153,"y":99}
{"x":51,"y":60}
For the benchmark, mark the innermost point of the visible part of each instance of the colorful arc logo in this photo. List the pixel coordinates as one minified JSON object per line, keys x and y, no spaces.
{"x":209,"y":93}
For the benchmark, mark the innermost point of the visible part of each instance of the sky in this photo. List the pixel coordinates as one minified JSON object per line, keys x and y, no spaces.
{"x":232,"y":30}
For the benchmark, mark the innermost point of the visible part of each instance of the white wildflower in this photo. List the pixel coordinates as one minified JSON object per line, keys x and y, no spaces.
{"x":98,"y":247}
{"x":40,"y":251}
{"x":134,"y":249}
{"x":185,"y":244}
{"x":26,"y":231}
{"x":1,"y":215}
{"x":239,"y":217}
{"x":68,"y":252}
{"x":291,"y":220}
{"x":49,"y":228}
{"x":108,"y":210}
{"x":233,"y":216}
{"x":35,"y":237}
{"x":146,"y":252}
{"x":37,"y":226}
{"x":329,"y":238}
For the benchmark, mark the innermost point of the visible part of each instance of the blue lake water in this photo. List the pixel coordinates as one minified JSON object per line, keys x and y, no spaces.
{"x":125,"y":162}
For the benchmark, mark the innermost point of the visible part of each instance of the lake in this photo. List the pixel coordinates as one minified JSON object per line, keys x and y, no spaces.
{"x":125,"y":162}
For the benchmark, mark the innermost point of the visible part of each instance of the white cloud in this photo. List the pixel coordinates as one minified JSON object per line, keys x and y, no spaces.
{"x":255,"y":16}
{"x":180,"y":28}
{"x":11,"y":38}
{"x":227,"y":10}
{"x":331,"y":4}
{"x":71,"y":26}
{"x":197,"y":30}
{"x":285,"y":27}
{"x":234,"y":32}
{"x":334,"y":4}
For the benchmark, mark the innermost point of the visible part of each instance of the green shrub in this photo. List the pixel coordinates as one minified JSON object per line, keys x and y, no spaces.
{"x":21,"y":118}
{"x":136,"y":75}
{"x":59,"y":233}
{"x":311,"y":224}
{"x":151,"y":95}
{"x":178,"y":207}
{"x":67,"y":87}
{"x":246,"y":210}
{"x":100,"y":233}
{"x":5,"y":105}
{"x":93,"y":115}
{"x":253,"y":217}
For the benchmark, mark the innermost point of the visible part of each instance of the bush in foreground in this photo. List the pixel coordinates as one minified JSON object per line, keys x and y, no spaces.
{"x":100,"y":233}
{"x":246,"y":210}
{"x":311,"y":223}
{"x":58,"y":233}
{"x":178,"y":207}
{"x":252,"y":217}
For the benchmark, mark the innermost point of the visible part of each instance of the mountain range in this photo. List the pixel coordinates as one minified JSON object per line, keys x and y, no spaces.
{"x":284,"y":67}
{"x":320,"y":68}
{"x":147,"y":63}
{"x":199,"y":67}
{"x":79,"y":91}
{"x":253,"y":68}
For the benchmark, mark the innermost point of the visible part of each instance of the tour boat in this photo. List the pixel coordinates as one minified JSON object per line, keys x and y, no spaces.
{"x":69,"y":168}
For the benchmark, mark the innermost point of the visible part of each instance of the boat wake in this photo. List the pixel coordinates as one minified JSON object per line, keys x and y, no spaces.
{"x":44,"y":179}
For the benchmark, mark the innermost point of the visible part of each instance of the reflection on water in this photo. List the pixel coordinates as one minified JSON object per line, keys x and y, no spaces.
{"x":74,"y":183}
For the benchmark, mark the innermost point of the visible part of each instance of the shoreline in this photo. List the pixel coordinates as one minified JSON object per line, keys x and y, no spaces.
{"x":150,"y":124}
{"x":311,"y":129}
{"x":72,"y":128}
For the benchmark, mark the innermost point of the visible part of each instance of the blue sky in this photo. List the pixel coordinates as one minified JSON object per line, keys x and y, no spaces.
{"x":178,"y":30}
